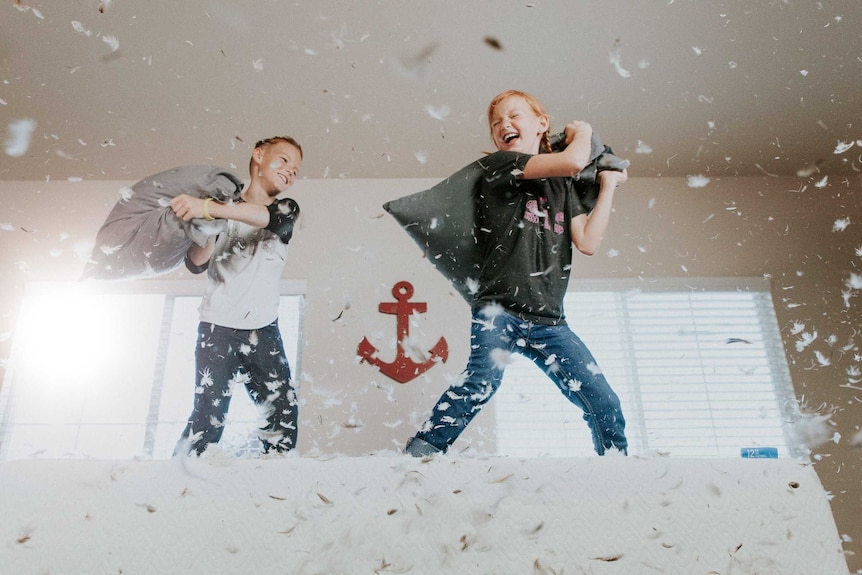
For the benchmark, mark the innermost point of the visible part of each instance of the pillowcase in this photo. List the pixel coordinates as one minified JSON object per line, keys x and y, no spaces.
{"x":142,"y":237}
{"x":601,"y":158}
{"x":441,"y":221}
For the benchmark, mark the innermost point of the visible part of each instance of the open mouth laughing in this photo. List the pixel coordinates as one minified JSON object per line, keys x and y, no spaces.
{"x":509,"y":137}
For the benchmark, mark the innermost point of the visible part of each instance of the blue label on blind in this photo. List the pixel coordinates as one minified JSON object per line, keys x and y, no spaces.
{"x":755,"y":452}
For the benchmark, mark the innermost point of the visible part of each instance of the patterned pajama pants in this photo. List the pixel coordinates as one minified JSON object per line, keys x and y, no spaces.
{"x":256,"y":358}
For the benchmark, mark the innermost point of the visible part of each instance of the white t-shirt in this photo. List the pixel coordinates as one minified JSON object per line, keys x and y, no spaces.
{"x":245,"y":269}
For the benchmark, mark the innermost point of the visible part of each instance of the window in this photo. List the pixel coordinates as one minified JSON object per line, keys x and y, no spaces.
{"x":698,"y":364}
{"x":106,"y":370}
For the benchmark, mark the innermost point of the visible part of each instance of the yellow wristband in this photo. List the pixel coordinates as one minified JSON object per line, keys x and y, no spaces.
{"x":207,"y":216}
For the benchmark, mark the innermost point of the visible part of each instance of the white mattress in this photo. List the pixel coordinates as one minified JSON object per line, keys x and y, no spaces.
{"x":395,"y":514}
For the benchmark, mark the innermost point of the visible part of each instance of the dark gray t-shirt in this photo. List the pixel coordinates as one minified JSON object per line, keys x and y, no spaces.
{"x":523,"y":227}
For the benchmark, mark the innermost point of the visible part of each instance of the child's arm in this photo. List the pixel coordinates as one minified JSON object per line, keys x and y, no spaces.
{"x":197,"y":257}
{"x":589,"y":230}
{"x":188,"y":207}
{"x":566,"y":163}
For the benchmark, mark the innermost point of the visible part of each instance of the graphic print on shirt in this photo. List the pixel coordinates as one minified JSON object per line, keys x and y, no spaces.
{"x":537,"y":212}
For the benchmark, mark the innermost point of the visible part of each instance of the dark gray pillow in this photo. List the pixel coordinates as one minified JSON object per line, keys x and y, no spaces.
{"x":142,"y":237}
{"x":440,"y":220}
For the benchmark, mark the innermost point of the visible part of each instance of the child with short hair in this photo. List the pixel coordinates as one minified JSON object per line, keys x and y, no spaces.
{"x":238,"y":335}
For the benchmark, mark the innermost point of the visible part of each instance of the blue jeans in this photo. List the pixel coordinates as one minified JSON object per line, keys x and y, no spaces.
{"x":256,"y":357}
{"x":554,"y":349}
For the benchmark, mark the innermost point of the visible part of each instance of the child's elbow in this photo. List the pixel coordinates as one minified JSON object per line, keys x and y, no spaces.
{"x":580,"y":164}
{"x":575,"y":166}
{"x":587,"y":248}
{"x":196,"y":268}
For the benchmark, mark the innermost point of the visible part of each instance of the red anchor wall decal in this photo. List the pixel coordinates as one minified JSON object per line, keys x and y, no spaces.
{"x":403,"y":368}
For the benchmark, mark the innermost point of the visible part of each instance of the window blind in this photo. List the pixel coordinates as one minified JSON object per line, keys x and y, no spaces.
{"x":698,"y":365}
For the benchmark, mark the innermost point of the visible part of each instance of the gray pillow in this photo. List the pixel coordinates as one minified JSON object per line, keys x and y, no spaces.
{"x":142,"y":237}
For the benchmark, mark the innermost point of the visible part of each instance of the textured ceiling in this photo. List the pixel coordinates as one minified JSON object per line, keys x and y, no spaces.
{"x":396,"y":89}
